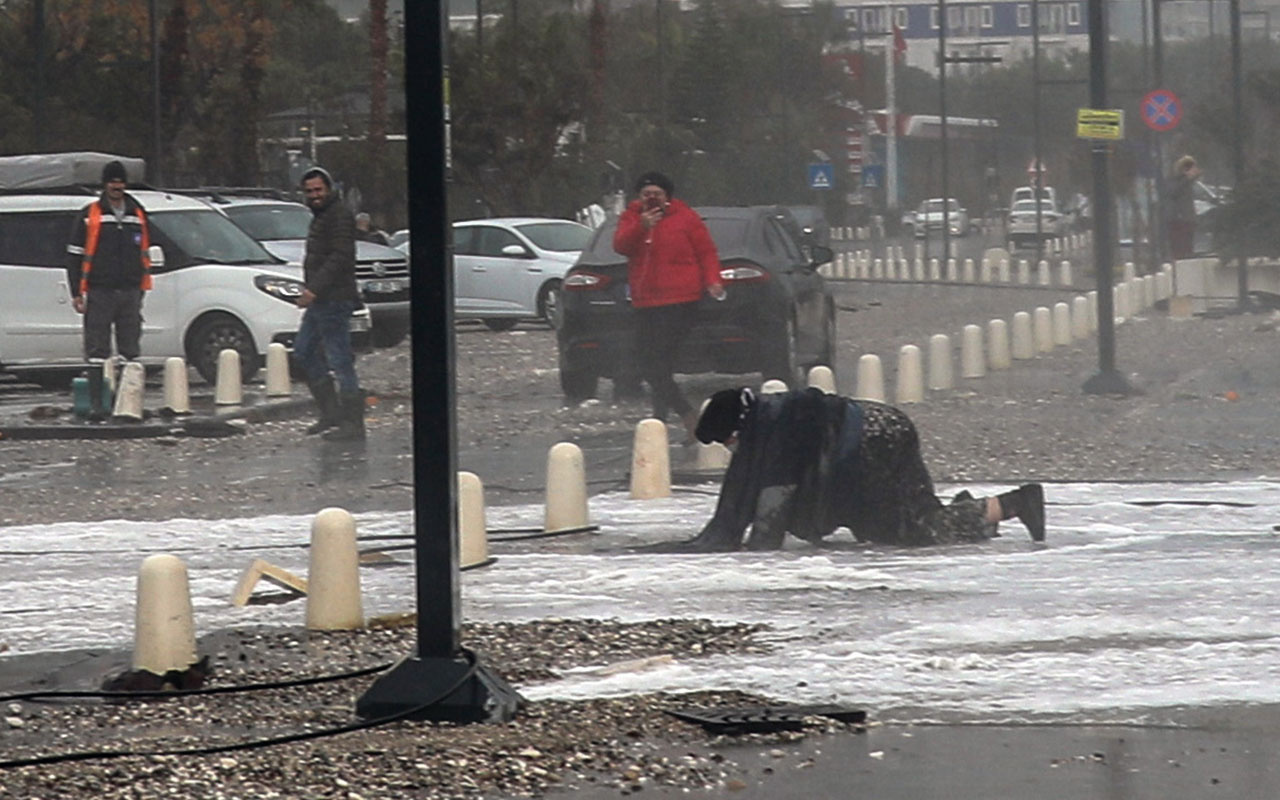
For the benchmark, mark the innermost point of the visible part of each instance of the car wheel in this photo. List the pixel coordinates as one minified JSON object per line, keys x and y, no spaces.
{"x":578,"y":384}
{"x":780,"y":361}
{"x":210,"y":336}
{"x":500,"y":324}
{"x":549,"y":307}
{"x":387,"y":335}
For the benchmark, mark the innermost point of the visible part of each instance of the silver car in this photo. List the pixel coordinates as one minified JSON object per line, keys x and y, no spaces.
{"x":510,"y":268}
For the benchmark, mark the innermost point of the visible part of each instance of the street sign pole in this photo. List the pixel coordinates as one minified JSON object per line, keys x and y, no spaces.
{"x":1107,"y":380}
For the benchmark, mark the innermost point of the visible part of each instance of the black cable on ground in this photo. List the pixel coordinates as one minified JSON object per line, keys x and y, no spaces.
{"x":50,"y":694}
{"x":254,"y":744}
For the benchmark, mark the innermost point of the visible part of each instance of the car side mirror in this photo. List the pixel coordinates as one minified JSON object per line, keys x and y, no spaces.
{"x":821,"y":255}
{"x":515,"y":250}
{"x":155,"y":254}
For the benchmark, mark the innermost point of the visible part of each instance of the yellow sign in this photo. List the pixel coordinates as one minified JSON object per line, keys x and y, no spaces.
{"x":1099,"y":123}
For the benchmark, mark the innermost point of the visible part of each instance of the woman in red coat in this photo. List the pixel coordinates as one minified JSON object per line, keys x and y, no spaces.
{"x":671,"y":263}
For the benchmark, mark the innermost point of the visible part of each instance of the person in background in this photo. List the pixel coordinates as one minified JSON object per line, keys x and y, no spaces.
{"x":330,"y":296}
{"x":109,"y":272}
{"x":1182,"y":208}
{"x":365,"y":231}
{"x":807,"y":463}
{"x":671,"y":265}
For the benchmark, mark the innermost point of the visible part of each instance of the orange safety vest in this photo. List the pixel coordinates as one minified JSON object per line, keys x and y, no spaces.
{"x":93,"y":228}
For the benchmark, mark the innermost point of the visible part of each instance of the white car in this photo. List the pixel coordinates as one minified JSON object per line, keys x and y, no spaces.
{"x":509,"y":269}
{"x":381,"y":272}
{"x":1022,"y":222}
{"x":929,"y":216}
{"x":214,"y":288}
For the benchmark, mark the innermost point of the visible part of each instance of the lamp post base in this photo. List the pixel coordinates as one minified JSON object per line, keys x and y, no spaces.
{"x":440,"y":690}
{"x":1111,"y":382}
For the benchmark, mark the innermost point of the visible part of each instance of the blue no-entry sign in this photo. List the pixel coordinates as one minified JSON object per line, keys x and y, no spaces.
{"x":821,"y":176}
{"x":1161,"y":110}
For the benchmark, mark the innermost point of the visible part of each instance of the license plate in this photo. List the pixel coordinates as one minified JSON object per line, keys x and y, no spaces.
{"x":360,"y":323}
{"x":384,"y":287}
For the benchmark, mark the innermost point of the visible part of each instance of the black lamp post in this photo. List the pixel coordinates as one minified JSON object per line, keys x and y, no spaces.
{"x":441,"y":681}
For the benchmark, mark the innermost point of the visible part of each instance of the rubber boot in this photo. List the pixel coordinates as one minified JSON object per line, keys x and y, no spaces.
{"x":1027,"y":504}
{"x":96,"y":411}
{"x":328,"y":413}
{"x":351,"y":419}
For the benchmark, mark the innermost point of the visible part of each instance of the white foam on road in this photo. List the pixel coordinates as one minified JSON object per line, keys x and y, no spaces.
{"x":1129,"y":610}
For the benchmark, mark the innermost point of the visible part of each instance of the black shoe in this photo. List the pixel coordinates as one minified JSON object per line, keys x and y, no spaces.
{"x":351,"y":419}
{"x":326,"y":397}
{"x":1031,"y":509}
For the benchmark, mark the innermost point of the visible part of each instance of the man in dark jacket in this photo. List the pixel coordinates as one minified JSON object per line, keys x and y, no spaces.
{"x":808,"y":462}
{"x":109,"y":273}
{"x":330,"y":296}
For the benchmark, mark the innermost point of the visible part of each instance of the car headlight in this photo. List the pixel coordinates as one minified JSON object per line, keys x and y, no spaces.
{"x":285,"y":289}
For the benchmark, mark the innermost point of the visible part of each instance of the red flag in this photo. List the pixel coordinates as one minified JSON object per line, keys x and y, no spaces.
{"x":899,"y":42}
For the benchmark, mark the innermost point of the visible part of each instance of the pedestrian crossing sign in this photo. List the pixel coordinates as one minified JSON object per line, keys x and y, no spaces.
{"x":822,"y":176}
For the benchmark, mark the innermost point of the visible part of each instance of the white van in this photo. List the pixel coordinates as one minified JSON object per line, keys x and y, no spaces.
{"x":213,"y":286}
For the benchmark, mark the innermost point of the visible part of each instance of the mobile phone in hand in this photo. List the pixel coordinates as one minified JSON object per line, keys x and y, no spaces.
{"x":651,"y":203}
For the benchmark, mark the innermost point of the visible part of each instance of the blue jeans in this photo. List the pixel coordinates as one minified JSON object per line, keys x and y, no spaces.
{"x":324,"y":344}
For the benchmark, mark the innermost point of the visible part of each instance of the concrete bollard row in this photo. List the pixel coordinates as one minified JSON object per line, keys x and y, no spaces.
{"x":973,"y":362}
{"x":940,"y":372}
{"x":998,"y":344}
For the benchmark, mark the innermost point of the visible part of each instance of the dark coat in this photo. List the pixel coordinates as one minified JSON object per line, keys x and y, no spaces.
{"x":330,"y":266}
{"x":808,"y":439}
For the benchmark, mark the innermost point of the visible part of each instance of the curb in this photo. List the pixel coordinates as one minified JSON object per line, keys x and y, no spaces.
{"x":210,"y":425}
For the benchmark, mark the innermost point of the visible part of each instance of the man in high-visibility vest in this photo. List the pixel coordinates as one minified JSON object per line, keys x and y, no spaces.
{"x":109,"y":274}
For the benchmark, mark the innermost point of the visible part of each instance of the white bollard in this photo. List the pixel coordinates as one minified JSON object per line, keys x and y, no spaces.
{"x":111,"y":372}
{"x":566,"y":498}
{"x":473,"y":533}
{"x":1024,"y":271}
{"x":278,"y":382}
{"x":1003,"y":270}
{"x":877,"y":269}
{"x":228,"y":390}
{"x":1093,"y":311}
{"x":1120,"y":303}
{"x":1065,"y":277}
{"x":968,"y":275}
{"x":1023,"y":344}
{"x":940,"y":373}
{"x":1079,"y":317}
{"x":164,"y":626}
{"x":890,"y":269}
{"x":910,"y":386}
{"x":1129,"y":271}
{"x":998,"y":344}
{"x":973,"y":362}
{"x":333,"y":578}
{"x":177,"y":393}
{"x":1148,"y":291}
{"x":984,"y":274}
{"x":1163,"y":290}
{"x":128,"y":407}
{"x":870,"y":378}
{"x":919,"y":272}
{"x":951,"y":270}
{"x":821,"y":377}
{"x":934,"y":270}
{"x":1042,"y":273}
{"x":650,"y":461}
{"x":1043,"y":320}
{"x":774,"y":386}
{"x":1061,"y":324}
